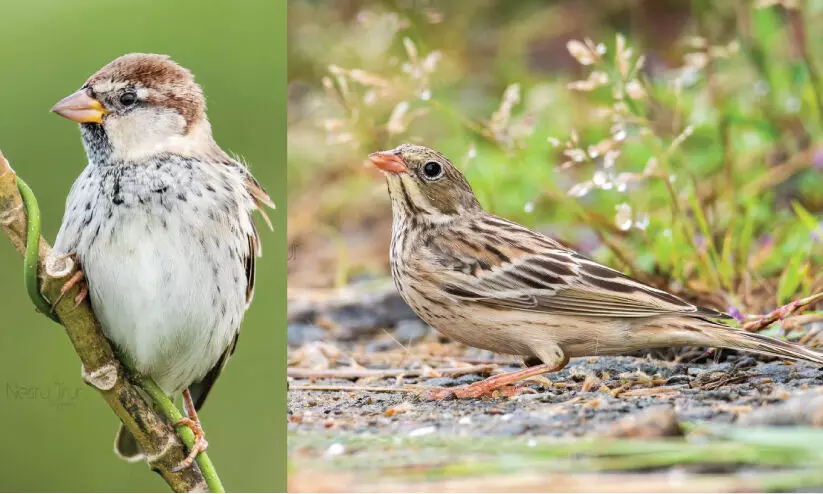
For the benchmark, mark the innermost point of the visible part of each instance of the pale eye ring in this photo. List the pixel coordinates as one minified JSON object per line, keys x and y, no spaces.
{"x":128,"y":98}
{"x":432,"y":170}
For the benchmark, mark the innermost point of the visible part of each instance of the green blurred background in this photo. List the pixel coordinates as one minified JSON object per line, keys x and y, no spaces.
{"x":704,"y":179}
{"x":57,"y":434}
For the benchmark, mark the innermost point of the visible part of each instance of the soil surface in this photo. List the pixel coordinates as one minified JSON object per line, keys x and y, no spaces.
{"x":358,"y":364}
{"x":369,"y":331}
{"x":588,"y":396}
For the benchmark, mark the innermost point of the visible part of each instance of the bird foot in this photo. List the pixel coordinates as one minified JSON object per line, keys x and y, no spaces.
{"x":77,"y":279}
{"x":513,"y":391}
{"x":436,"y":394}
{"x":200,"y":443}
{"x":473,"y":391}
{"x":501,"y":382}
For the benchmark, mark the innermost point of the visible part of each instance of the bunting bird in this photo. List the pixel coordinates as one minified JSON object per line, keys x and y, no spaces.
{"x":493,"y":284}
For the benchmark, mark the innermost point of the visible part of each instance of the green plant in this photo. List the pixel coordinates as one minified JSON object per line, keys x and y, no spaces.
{"x":696,"y":176}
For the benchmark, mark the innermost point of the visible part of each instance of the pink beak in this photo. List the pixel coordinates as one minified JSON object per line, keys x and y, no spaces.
{"x":389,"y":162}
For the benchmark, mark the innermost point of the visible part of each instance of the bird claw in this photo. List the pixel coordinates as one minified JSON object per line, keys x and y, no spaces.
{"x":513,"y":391}
{"x":437,"y":394}
{"x":475,"y":390}
{"x":77,"y":279}
{"x":200,"y":443}
{"x":81,"y":295}
{"x":501,"y":382}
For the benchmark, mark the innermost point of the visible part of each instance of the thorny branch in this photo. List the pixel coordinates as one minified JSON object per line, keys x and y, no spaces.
{"x":100,"y":367}
{"x":782,"y":312}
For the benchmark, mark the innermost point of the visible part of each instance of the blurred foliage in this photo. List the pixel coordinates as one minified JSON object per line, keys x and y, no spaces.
{"x":679,"y":141}
{"x":710,"y":459}
{"x":57,"y":434}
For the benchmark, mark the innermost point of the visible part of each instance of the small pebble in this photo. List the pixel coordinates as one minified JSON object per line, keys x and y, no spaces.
{"x":468,"y":379}
{"x":377,"y":346}
{"x":745,"y":362}
{"x":423,"y":431}
{"x":721,"y":367}
{"x":678,"y":379}
{"x":335,"y":449}
{"x":656,"y":421}
{"x":411,"y":330}
{"x":442,"y":382}
{"x":299,"y":334}
{"x":511,"y":429}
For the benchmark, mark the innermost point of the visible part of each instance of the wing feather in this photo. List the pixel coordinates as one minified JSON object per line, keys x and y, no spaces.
{"x":536,"y":275}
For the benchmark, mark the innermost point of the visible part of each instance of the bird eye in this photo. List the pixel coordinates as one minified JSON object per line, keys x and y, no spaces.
{"x":128,"y":98}
{"x":432,"y":170}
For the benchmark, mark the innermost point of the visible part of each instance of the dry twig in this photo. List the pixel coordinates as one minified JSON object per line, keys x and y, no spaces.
{"x":782,"y":312}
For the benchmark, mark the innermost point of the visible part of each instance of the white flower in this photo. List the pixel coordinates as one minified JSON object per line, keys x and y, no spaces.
{"x":581,"y":52}
{"x":635,"y":90}
{"x":623,"y":218}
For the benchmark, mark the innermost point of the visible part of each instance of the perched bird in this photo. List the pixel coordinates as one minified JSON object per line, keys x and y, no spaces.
{"x":160,"y":222}
{"x":493,"y":284}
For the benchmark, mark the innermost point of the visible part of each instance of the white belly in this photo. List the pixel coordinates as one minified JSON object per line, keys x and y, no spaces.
{"x":170,"y":297}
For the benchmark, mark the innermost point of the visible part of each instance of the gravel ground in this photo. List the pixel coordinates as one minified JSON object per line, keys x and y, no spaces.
{"x":363,"y":431}
{"x":589,"y":395}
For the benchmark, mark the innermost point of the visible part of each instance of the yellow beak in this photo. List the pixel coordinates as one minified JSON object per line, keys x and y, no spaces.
{"x":80,"y":107}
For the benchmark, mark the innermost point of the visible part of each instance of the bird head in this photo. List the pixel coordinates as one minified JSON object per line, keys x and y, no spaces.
{"x":425,"y":184}
{"x":137,"y":106}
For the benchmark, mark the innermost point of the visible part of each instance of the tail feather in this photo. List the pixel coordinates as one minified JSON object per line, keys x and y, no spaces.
{"x":721,"y":335}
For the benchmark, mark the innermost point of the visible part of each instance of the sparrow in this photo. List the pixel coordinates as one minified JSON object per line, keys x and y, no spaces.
{"x":493,"y":284}
{"x":160,"y":224}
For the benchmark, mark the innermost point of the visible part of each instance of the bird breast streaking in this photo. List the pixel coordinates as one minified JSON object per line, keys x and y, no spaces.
{"x":161,"y":223}
{"x":493,"y":284}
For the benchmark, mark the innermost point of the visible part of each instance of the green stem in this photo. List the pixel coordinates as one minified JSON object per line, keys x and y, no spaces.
{"x":30,"y":278}
{"x":173,"y":415}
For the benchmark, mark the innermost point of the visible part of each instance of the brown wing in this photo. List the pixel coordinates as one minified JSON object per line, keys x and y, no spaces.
{"x":517,"y":268}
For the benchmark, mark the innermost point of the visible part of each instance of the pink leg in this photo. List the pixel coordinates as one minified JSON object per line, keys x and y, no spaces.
{"x":487,"y":386}
{"x":76,"y":278}
{"x":200,"y":443}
